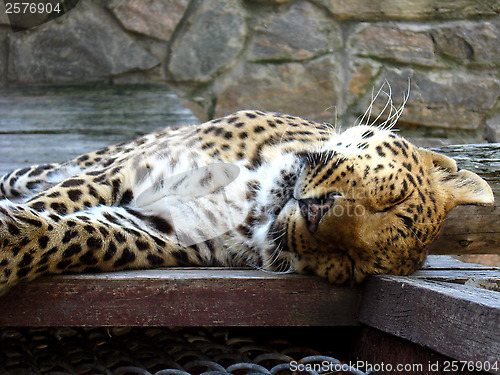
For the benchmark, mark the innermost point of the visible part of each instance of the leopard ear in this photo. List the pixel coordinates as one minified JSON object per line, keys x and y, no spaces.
{"x":459,"y":185}
{"x":468,"y":188}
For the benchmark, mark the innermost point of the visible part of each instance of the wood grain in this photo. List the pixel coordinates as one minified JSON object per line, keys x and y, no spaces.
{"x":459,"y":321}
{"x":473,"y":229}
{"x":470,"y":230}
{"x":180,"y":297}
{"x":56,"y":124}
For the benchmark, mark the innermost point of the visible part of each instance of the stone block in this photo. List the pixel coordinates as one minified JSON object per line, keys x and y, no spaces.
{"x":212,"y":37}
{"x":470,"y":43}
{"x":300,"y":32}
{"x":84,"y":45}
{"x":153,"y":75}
{"x":154,"y":18}
{"x":443,"y":99}
{"x":397,"y":43}
{"x":369,"y":10}
{"x":360,"y":75}
{"x":312,"y":90}
{"x":493,"y":128}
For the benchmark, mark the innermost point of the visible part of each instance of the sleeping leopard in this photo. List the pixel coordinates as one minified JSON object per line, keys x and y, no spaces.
{"x":254,"y":189}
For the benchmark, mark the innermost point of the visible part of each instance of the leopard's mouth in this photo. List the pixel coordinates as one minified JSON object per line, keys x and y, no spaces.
{"x":297,"y":214}
{"x":278,"y":229}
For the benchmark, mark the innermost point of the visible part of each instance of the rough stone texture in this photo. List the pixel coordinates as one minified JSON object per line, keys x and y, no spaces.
{"x":409,"y":9}
{"x":268,"y":2}
{"x":212,"y":37}
{"x":22,"y":21}
{"x":446,"y":99}
{"x":321,"y":59}
{"x":84,"y":45}
{"x":493,"y":128}
{"x":470,"y":43}
{"x":395,"y":43}
{"x":362,"y":72}
{"x":3,"y":54}
{"x":312,"y":89}
{"x":155,"y":18}
{"x":360,"y":77}
{"x":154,"y":75}
{"x":278,"y":38}
{"x":4,"y":19}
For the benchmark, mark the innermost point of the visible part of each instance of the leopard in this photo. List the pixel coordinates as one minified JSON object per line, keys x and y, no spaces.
{"x":258,"y":189}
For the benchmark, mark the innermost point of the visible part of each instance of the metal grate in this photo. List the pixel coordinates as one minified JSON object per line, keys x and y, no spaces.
{"x":155,"y":351}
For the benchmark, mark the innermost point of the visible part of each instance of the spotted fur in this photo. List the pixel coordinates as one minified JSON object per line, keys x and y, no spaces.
{"x":251,"y":189}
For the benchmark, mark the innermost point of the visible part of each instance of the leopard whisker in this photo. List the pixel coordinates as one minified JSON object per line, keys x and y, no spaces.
{"x":388,"y":104}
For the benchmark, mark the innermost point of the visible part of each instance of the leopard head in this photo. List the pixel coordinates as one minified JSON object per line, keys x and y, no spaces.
{"x":375,"y":199}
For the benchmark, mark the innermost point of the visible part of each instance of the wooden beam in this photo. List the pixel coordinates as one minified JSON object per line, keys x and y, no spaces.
{"x":180,"y":297}
{"x":459,"y":321}
{"x":487,"y":278}
{"x":394,"y":355}
{"x":440,"y":262}
{"x":472,"y":229}
{"x":448,"y":269}
{"x":57,"y":124}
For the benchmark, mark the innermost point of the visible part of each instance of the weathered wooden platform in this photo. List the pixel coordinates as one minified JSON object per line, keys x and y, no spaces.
{"x":448,"y":306}
{"x":55,"y":124}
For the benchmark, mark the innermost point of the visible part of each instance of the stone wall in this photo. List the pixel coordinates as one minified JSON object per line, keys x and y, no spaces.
{"x":321,"y":59}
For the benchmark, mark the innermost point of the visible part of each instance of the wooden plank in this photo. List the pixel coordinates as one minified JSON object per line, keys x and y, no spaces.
{"x":446,"y":268}
{"x":455,"y":320}
{"x":46,"y":148}
{"x":457,"y":276}
{"x":471,"y":229}
{"x":56,"y":124}
{"x":180,"y":297}
{"x":446,"y":262}
{"x":486,"y":279}
{"x":483,"y":159}
{"x":398,"y":356}
{"x":91,"y":109}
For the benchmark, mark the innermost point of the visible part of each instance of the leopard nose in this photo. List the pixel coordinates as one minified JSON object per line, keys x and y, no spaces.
{"x":314,"y":209}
